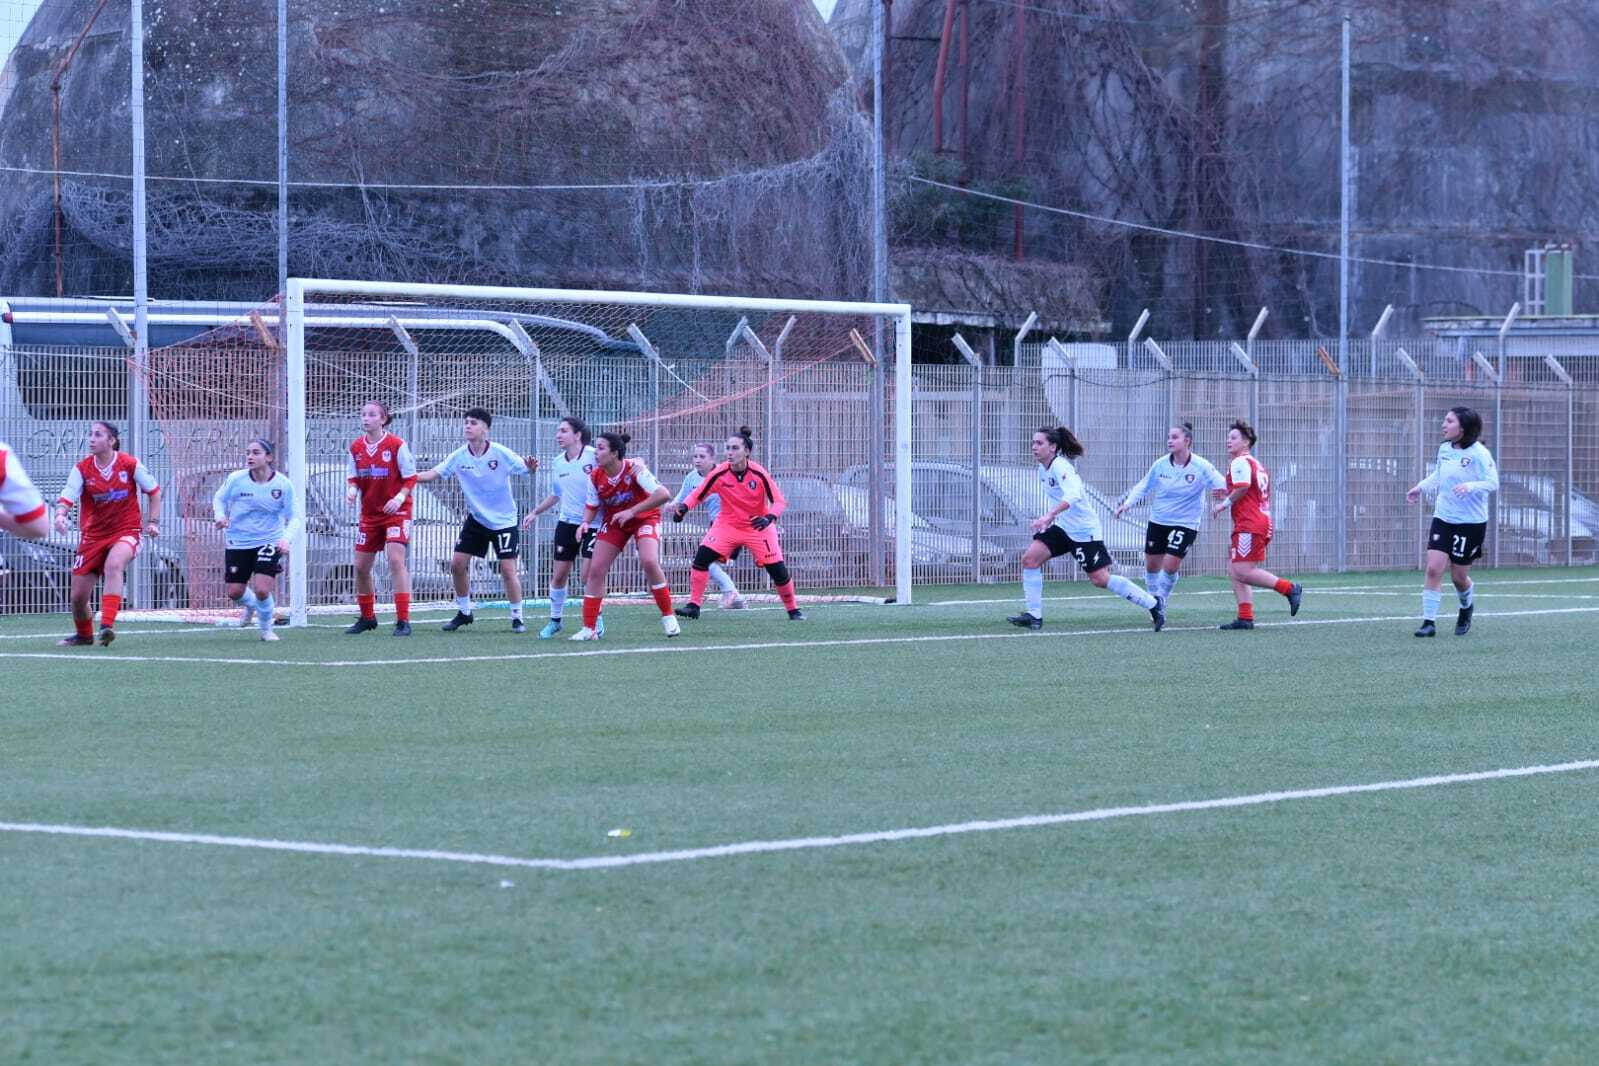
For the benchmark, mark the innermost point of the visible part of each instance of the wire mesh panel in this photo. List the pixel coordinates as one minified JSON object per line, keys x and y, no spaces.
{"x":1382,"y":463}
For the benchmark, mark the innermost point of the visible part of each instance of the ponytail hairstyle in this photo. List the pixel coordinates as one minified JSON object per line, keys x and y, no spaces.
{"x":705,"y":446}
{"x":581,"y":428}
{"x":1064,"y":440}
{"x":381,"y":406}
{"x":116,"y":436}
{"x":265,"y":444}
{"x":617,"y":443}
{"x":1246,"y":430}
{"x":1470,"y":426}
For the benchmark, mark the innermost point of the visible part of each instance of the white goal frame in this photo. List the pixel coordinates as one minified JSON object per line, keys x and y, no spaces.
{"x":294,"y":340}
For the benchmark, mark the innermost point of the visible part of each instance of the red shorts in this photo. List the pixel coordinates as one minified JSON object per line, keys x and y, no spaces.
{"x":374,"y":533}
{"x":646,"y":526}
{"x":92,"y":553}
{"x":1249,"y":547}
{"x":762,"y":543}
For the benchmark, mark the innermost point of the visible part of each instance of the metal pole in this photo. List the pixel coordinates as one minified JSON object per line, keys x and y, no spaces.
{"x":976,"y":366}
{"x":1499,"y":407}
{"x":875,"y":435}
{"x":1341,"y":416}
{"x":283,"y":159}
{"x":138,"y":409}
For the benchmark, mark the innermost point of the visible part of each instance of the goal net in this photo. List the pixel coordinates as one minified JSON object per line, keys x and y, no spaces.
{"x":815,"y":381}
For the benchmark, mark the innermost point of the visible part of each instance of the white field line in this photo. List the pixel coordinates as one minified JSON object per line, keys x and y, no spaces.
{"x":90,"y":655}
{"x":757,"y":847}
{"x":1317,"y":590}
{"x":120,"y":632}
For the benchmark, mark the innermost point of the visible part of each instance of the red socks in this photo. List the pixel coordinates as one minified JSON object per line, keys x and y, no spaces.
{"x":663,"y":597}
{"x":697,"y":580}
{"x":84,"y":626}
{"x":402,"y":606}
{"x":367,"y":605}
{"x":786,"y":594}
{"x":591,"y":610}
{"x":1283,"y":586}
{"x":1246,"y":611}
{"x":110,"y":604}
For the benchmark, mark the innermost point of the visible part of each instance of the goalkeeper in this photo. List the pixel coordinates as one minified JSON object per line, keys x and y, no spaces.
{"x":751,"y":503}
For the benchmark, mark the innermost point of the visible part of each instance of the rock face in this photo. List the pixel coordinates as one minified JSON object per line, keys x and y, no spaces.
{"x":1472,"y":132}
{"x":735,"y":155}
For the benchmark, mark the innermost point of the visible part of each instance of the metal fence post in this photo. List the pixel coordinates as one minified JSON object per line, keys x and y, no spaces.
{"x":1132,"y":335}
{"x":774,"y":367}
{"x":1571,"y":429}
{"x":1421,"y":448}
{"x":977,"y":453}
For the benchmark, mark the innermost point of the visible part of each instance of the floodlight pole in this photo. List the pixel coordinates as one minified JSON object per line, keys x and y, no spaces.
{"x":283,"y":159}
{"x":1341,"y":414}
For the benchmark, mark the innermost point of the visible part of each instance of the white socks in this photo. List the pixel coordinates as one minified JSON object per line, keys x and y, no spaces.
{"x":722,"y":579}
{"x":1466,"y":597}
{"x":557,"y":602}
{"x":463,"y":604}
{"x":1429,"y":604}
{"x":1033,"y":591}
{"x":1130,"y":592}
{"x":263,"y":611}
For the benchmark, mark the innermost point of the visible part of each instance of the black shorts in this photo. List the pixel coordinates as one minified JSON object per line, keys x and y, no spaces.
{"x":1168,"y":540}
{"x":239,"y":563}
{"x":476,"y":539}
{"x":1091,"y":555}
{"x":567,"y":547}
{"x":1462,"y":542}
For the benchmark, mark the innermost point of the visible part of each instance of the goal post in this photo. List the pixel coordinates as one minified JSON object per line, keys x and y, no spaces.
{"x":672,"y":369}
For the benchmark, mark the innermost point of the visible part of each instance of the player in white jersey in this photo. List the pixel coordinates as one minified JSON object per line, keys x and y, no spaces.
{"x":22,"y":508}
{"x":1462,"y":479}
{"x":704,"y":459}
{"x":1071,"y":527}
{"x":485,"y":469}
{"x":256,"y":506}
{"x":1179,"y":481}
{"x":569,"y":486}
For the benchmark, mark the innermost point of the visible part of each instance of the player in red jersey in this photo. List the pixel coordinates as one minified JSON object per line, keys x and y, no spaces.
{"x":382,"y":474}
{"x":751,"y":505}
{"x":1248,"y":493}
{"x":627,"y":495}
{"x":22,"y":510}
{"x":106,"y":486}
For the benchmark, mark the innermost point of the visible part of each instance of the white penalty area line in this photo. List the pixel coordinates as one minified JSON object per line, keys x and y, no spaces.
{"x":1389,"y":589}
{"x":695,"y":649}
{"x":759,"y":847}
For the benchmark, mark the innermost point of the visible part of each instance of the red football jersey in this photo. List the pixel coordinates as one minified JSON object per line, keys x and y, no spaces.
{"x":378,"y":472}
{"x":632,"y":485}
{"x":18,"y":496}
{"x":744,"y":496}
{"x":108,"y":499}
{"x":1252,"y":510}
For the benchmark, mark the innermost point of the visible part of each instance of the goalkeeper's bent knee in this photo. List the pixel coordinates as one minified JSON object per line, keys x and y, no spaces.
{"x":778,"y":572}
{"x":704,"y":558}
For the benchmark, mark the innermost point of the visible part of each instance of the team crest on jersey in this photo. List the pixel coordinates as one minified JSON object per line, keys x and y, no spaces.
{"x":1052,"y":481}
{"x":387,"y":457}
{"x":588,"y":468}
{"x":1189,"y":479}
{"x":122,"y":475}
{"x":1465,"y":460}
{"x":752,"y":484}
{"x":277,"y":494}
{"x":494,"y":464}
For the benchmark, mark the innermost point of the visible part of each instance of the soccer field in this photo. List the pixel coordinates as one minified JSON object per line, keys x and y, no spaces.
{"x":886,"y":834}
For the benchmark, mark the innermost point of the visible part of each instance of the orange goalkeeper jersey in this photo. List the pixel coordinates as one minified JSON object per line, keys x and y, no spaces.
{"x":744,"y":496}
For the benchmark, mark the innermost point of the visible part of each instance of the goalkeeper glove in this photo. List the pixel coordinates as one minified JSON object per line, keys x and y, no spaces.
{"x":763,"y":521}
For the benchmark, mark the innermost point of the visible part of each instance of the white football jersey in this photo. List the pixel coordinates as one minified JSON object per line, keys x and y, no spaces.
{"x":486,"y":482}
{"x":569,"y":479}
{"x":1079,"y":521}
{"x":1179,"y":490}
{"x":1473,"y":467}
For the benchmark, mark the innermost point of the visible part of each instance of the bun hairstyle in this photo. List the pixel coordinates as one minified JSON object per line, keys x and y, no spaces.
{"x":116,"y":435}
{"x":1470,"y":425}
{"x":1188,"y":431}
{"x":617,"y":443}
{"x":748,"y":436}
{"x":581,"y":428}
{"x":1064,"y":440}
{"x":1247,"y":430}
{"x":381,"y":406}
{"x":265,"y":444}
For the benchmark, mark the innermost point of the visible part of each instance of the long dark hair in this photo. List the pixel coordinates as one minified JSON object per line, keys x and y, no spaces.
{"x":617,"y":443}
{"x":1064,"y":440}
{"x":1470,"y":426}
{"x":1246,"y":429}
{"x":581,"y":428}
